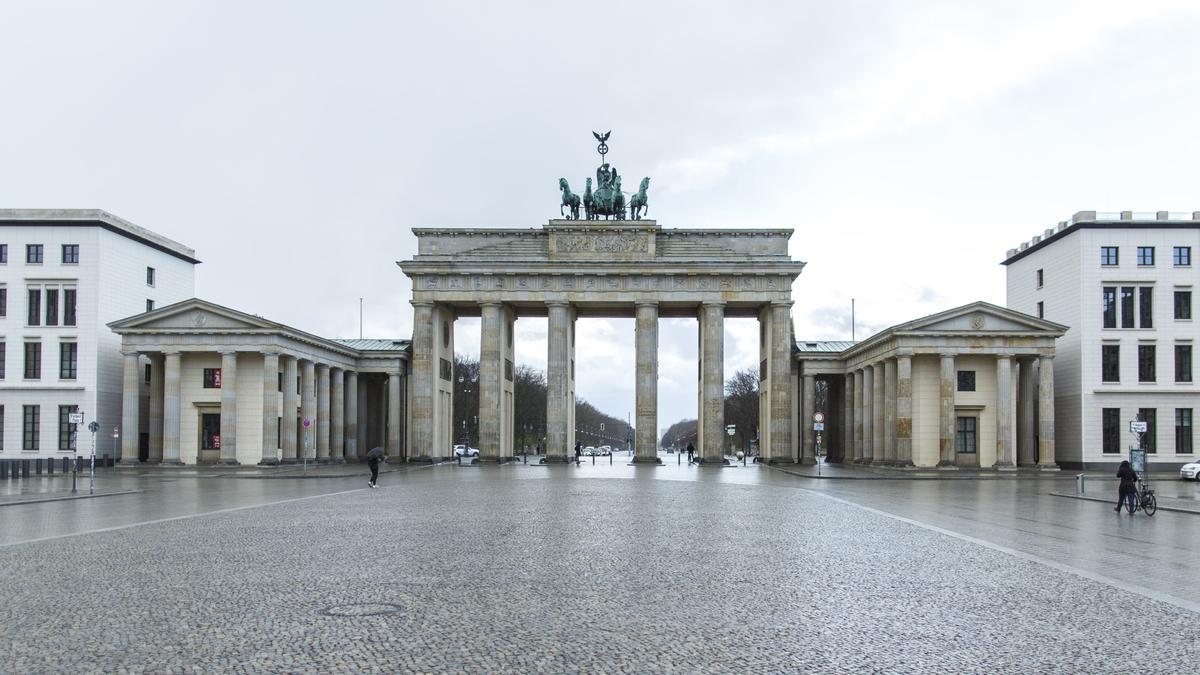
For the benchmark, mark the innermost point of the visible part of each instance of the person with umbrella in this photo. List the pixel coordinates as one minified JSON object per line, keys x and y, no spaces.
{"x":374,"y":456}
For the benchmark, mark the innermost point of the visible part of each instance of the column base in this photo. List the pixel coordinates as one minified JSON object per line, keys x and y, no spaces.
{"x":947,"y":467}
{"x":323,"y":460}
{"x":1007,"y":468}
{"x":945,"y":463}
{"x":171,"y":462}
{"x":557,"y":459}
{"x":492,"y":459}
{"x":656,"y":460}
{"x":788,"y":460}
{"x":290,"y":460}
{"x":714,"y":462}
{"x":230,"y":462}
{"x":422,"y":459}
{"x":269,"y":462}
{"x":132,"y":464}
{"x":1048,"y":467}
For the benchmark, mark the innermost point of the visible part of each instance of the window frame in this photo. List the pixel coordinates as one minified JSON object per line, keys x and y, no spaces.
{"x":1128,"y":307}
{"x":1104,"y":255}
{"x":1182,"y":301}
{"x":212,"y":378}
{"x":50,"y":301}
{"x":68,"y":440}
{"x":1041,"y":309}
{"x":3,"y":301}
{"x":1105,"y":351}
{"x":1041,"y":278}
{"x":31,"y":250}
{"x":149,"y":305}
{"x":1110,"y":431}
{"x":150,"y":276}
{"x":68,"y":360}
{"x":1145,"y":256}
{"x":1109,"y":307}
{"x":31,"y":433}
{"x":73,"y":258}
{"x":1145,"y":307}
{"x":960,"y":383}
{"x":1147,"y":363}
{"x":1149,"y":439}
{"x":3,"y":254}
{"x":1183,"y":440}
{"x":1181,"y":256}
{"x":70,"y":306}
{"x":34,"y":365}
{"x":972,"y":434}
{"x":1183,"y":363}
{"x":33,"y":306}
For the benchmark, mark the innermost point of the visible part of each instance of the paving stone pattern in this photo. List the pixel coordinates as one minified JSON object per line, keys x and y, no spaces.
{"x":532,"y":570}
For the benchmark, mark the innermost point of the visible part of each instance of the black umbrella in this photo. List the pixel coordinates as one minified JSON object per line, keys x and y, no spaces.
{"x":375,"y":453}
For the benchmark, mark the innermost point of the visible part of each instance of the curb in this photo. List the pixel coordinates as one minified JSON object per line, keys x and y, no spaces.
{"x":924,"y":475}
{"x":44,"y":500}
{"x":1110,"y":502}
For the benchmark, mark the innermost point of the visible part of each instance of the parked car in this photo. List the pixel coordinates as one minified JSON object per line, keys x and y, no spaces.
{"x":589,"y":451}
{"x":1190,"y":470}
{"x":464,"y":451}
{"x":605,"y":450}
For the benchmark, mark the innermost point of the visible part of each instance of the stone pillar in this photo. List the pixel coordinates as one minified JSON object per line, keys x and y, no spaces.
{"x":491,"y":377}
{"x":889,"y":411}
{"x":337,"y":415}
{"x":1005,"y":439}
{"x":1027,"y":446}
{"x":779,"y":381}
{"x":130,"y":403}
{"x":711,"y":425}
{"x":878,"y":401}
{"x":1046,"y":460}
{"x":848,"y":419}
{"x":868,"y":414}
{"x":424,"y":374}
{"x":322,"y":435}
{"x":351,"y":416}
{"x":308,"y":408}
{"x":859,"y":414}
{"x":229,"y":408}
{"x":809,"y":436}
{"x":646,"y":383}
{"x":559,"y":433}
{"x":394,"y":429}
{"x":270,"y":409}
{"x":291,"y":400}
{"x":172,"y":400}
{"x":947,"y":386}
{"x":156,"y":407}
{"x":904,"y":409}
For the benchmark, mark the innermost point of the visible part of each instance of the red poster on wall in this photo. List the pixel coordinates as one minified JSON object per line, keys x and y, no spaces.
{"x":216,"y":442}
{"x":217,"y":378}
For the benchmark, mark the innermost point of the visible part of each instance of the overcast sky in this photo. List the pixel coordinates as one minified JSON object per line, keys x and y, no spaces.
{"x":295,"y":144}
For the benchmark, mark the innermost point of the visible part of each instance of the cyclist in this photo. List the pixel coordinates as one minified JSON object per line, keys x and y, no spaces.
{"x":1127,"y":492}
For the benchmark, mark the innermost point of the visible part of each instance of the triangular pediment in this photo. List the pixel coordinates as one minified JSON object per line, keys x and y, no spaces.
{"x":193,"y":314}
{"x":982,"y":317}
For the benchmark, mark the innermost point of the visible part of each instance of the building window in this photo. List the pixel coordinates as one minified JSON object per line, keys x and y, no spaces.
{"x":70,"y":254}
{"x":147,"y":372}
{"x":149,"y":276}
{"x":149,"y":305}
{"x":1110,"y":306}
{"x":1110,"y":363}
{"x":1145,"y":255}
{"x":1183,"y":363}
{"x":1146,"y":363}
{"x":3,"y":301}
{"x":280,"y":382}
{"x":66,"y":430}
{"x":3,"y":358}
{"x":35,"y":307}
{"x":1041,"y":310}
{"x":31,"y":418}
{"x":1040,"y":278}
{"x":1183,"y":305}
{"x":3,"y":254}
{"x":68,"y":360}
{"x":1108,"y":255}
{"x":33,"y":360}
{"x":51,"y":306}
{"x":966,"y":380}
{"x":212,"y":378}
{"x":1,"y":428}
{"x":69,"y":306}
{"x":33,"y":254}
{"x":1127,"y":316}
{"x":1183,"y":431}
{"x":1182,"y":256}
{"x":1112,"y":430}
{"x":1149,"y":415}
{"x":966,"y":440}
{"x":1146,"y":306}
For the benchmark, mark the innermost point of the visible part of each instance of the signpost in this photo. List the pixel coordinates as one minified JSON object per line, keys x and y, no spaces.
{"x":116,"y":435}
{"x":818,"y":426}
{"x":307,"y":423}
{"x":1137,"y":456}
{"x":93,"y":427}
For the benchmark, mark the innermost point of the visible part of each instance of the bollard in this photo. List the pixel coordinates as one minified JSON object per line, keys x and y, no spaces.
{"x":593,"y":459}
{"x":679,"y":459}
{"x":66,"y":467}
{"x":37,"y":466}
{"x":3,"y":469}
{"x":50,"y":466}
{"x":610,"y":459}
{"x":24,"y":468}
{"x":1079,"y":484}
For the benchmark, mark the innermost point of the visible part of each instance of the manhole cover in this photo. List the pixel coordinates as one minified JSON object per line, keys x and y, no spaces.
{"x":361,"y":609}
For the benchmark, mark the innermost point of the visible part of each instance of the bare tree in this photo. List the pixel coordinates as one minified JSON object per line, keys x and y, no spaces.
{"x":741,"y":406}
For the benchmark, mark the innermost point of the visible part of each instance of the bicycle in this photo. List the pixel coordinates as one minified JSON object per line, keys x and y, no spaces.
{"x":1145,"y":499}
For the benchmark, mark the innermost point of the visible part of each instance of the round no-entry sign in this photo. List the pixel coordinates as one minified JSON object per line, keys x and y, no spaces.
{"x":818,"y":417}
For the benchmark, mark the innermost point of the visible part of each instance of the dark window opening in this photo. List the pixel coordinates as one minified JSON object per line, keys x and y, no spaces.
{"x":966,"y":439}
{"x":212,"y":378}
{"x":1112,"y":430}
{"x":1110,"y":306}
{"x":1149,"y":439}
{"x":1183,"y":363}
{"x":1183,"y":305}
{"x":1183,"y":431}
{"x":1146,"y":363}
{"x":966,"y":380}
{"x":1110,"y":363}
{"x":1127,"y":316}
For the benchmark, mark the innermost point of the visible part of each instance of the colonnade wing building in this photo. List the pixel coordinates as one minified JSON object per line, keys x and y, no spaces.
{"x":207,"y":384}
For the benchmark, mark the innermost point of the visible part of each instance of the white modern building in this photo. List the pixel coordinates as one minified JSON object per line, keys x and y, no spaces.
{"x":1124,"y":284}
{"x":65,"y":274}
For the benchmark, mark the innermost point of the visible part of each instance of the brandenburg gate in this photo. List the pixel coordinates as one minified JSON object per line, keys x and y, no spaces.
{"x":590,"y":267}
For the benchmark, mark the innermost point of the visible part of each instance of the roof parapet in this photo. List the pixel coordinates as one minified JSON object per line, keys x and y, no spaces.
{"x":1102,"y":217}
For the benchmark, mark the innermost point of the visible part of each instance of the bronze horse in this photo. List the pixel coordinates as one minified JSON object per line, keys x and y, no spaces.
{"x":569,"y":199}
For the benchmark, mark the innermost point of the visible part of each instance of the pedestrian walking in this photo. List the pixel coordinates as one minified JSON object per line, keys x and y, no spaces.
{"x":374,"y":457}
{"x":1127,"y":492}
{"x":691,"y":452}
{"x":578,"y":451}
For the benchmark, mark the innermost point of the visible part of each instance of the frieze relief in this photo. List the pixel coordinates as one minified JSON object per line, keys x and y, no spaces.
{"x":606,"y":283}
{"x":614,"y":243}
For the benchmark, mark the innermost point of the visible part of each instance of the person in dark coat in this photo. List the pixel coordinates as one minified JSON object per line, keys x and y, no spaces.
{"x":1127,"y":492}
{"x":578,"y":451}
{"x":374,"y":456}
{"x":691,"y":452}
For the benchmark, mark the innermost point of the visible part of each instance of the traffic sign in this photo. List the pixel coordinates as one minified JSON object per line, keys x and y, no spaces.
{"x":74,"y":418}
{"x":94,"y":427}
{"x":818,"y":417}
{"x":116,"y":432}
{"x":307,"y":422}
{"x":818,"y":426}
{"x":1138,"y":427}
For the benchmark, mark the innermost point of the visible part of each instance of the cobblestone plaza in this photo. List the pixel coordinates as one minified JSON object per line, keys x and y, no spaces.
{"x":603,"y":568}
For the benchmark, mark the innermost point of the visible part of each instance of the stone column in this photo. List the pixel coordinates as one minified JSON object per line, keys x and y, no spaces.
{"x":337,"y":416}
{"x":172,"y":399}
{"x":229,"y":408}
{"x":322,"y":435}
{"x":848,"y":419}
{"x":904,"y":409}
{"x":780,"y":382}
{"x":290,"y":402}
{"x":859,"y":414}
{"x":1046,"y":460}
{"x":308,"y":407}
{"x":558,"y":419}
{"x":393,"y":447}
{"x":351,"y":416}
{"x":1027,"y":446}
{"x":1005,"y":439}
{"x":878,"y":401}
{"x":491,"y":374}
{"x":808,"y":434}
{"x":270,"y":409}
{"x":868,"y":414}
{"x":889,"y":411}
{"x":130,"y":395}
{"x":712,"y":383}
{"x":947,"y":386}
{"x":424,"y":372}
{"x":646,"y":387}
{"x":157,"y":362}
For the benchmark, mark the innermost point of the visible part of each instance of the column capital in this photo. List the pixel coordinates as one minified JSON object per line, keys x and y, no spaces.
{"x":128,"y":354}
{"x":421,"y":303}
{"x":336,"y":369}
{"x":1046,"y":357}
{"x":712,"y":303}
{"x":646,"y":303}
{"x":904,"y":353}
{"x":227,"y":352}
{"x":491,"y":303}
{"x":322,"y":366}
{"x":270,"y":352}
{"x":1005,"y":356}
{"x":782,"y":303}
{"x":557,"y":303}
{"x":948,"y":355}
{"x":171,"y":352}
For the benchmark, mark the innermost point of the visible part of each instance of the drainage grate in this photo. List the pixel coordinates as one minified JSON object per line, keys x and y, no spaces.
{"x":361,"y":609}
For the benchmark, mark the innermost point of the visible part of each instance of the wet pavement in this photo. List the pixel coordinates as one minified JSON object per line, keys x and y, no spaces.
{"x":605,"y":567}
